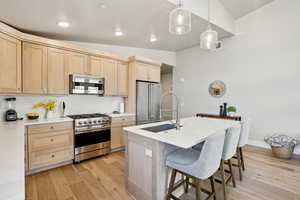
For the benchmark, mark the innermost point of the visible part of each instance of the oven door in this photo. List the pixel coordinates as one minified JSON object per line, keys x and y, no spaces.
{"x":88,"y":138}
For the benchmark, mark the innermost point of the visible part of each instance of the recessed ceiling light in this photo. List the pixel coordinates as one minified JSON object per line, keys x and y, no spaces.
{"x":63,"y":24}
{"x":118,"y":33}
{"x":102,"y":5}
{"x":153,"y":38}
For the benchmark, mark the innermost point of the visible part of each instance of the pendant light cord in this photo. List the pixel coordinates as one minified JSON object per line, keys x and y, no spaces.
{"x":208,"y":11}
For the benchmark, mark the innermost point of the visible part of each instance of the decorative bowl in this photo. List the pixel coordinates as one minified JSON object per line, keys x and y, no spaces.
{"x":32,"y":116}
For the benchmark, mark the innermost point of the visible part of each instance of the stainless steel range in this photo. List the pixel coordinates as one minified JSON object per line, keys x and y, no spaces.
{"x":92,"y":135}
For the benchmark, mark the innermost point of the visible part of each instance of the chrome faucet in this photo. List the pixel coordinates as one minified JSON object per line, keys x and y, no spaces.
{"x":177,"y":123}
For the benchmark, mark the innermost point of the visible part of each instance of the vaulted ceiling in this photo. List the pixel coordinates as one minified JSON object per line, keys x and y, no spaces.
{"x":96,"y":21}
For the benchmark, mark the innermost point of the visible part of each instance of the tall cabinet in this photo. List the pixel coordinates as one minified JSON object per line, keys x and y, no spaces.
{"x":10,"y":64}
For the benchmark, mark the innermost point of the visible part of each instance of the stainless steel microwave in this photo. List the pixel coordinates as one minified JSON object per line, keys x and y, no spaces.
{"x":82,"y":84}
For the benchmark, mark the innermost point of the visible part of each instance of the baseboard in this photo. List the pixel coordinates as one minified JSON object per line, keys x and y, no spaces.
{"x":262,"y":144}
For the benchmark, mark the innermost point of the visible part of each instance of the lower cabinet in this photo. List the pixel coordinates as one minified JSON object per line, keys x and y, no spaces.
{"x":117,"y":135}
{"x":49,"y":145}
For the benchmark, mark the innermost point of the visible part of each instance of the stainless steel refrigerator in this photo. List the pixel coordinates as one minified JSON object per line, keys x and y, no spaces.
{"x":147,"y":102}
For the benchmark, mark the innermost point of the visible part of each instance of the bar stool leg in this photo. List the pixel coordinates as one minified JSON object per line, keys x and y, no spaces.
{"x":231,"y":173}
{"x":239,"y":163}
{"x":223,"y":179}
{"x":212,"y":183}
{"x":171,"y":184}
{"x":242,"y":158}
{"x":198,"y":184}
{"x":186,"y":184}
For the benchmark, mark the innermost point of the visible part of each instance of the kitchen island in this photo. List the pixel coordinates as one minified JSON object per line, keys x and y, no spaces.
{"x":146,"y":174}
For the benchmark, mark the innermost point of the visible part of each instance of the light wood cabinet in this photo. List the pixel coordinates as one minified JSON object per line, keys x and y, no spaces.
{"x":117,"y":134}
{"x":110,"y":73}
{"x":122,"y":79}
{"x":34,"y":69}
{"x":58,"y":78}
{"x":146,"y":72}
{"x":95,"y":67}
{"x":77,"y":63}
{"x":10,"y":64}
{"x":49,"y":145}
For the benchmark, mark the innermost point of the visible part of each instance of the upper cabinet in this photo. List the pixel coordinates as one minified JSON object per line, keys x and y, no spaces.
{"x":123,"y":79}
{"x":95,"y":67}
{"x":77,"y":63}
{"x":10,"y":64}
{"x":147,"y":72}
{"x":110,"y":73}
{"x":34,"y":69}
{"x":58,"y":77}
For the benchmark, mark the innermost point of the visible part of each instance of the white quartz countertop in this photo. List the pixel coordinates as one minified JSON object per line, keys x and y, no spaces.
{"x":12,"y":151}
{"x":194,"y":131}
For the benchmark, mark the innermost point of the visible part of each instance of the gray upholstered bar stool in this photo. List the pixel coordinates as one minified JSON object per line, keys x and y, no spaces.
{"x":229,"y":150}
{"x":244,"y":135}
{"x":196,"y":165}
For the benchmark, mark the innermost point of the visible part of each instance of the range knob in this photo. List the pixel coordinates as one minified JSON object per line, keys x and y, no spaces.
{"x":90,"y":122}
{"x":99,"y":121}
{"x":79,"y":123}
{"x":94,"y":121}
{"x":85,"y":122}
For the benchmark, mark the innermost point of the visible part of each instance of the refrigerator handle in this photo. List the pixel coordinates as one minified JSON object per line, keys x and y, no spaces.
{"x":149,"y":101}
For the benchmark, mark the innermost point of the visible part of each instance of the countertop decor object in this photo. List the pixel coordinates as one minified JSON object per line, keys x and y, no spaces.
{"x":32,"y":116}
{"x":217,"y":89}
{"x":282,"y":145}
{"x":49,"y":108}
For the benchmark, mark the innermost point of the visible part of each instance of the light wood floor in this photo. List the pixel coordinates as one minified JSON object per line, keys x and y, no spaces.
{"x":266,"y":178}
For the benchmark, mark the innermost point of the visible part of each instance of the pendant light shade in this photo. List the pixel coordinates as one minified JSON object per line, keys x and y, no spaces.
{"x":180,"y":21}
{"x":209,"y":39}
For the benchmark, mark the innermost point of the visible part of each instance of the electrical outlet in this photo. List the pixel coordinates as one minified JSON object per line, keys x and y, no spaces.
{"x":148,"y":153}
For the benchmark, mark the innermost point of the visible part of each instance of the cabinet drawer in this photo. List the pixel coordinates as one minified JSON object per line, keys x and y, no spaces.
{"x":50,"y":140}
{"x":39,"y":159}
{"x":123,"y":121}
{"x":44,"y":128}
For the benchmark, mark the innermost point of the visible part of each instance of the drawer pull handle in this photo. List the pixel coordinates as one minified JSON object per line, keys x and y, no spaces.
{"x":51,"y":140}
{"x":52,"y":127}
{"x":52,"y":155}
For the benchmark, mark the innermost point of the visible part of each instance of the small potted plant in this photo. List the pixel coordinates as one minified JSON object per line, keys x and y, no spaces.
{"x":49,"y":107}
{"x":231,"y":111}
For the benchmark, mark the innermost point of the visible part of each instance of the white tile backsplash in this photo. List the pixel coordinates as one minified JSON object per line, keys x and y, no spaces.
{"x":75,"y":104}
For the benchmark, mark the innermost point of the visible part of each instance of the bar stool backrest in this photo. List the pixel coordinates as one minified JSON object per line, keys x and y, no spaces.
{"x":210,"y":157}
{"x":245,"y":131}
{"x":231,"y":142}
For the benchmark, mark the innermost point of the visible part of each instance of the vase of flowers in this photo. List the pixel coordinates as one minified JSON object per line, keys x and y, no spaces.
{"x":49,"y":108}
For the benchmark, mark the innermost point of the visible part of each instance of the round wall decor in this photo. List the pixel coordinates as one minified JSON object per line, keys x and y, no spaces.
{"x":217,"y":89}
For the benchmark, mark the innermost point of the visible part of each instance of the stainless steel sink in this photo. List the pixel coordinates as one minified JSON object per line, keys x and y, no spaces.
{"x":159,"y":128}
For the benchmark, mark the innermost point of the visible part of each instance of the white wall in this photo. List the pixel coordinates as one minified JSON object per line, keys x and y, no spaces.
{"x":260,"y":66}
{"x":167,"y":57}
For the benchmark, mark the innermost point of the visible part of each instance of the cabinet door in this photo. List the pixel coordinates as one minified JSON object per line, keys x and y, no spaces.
{"x":10,"y":64}
{"x":34,"y":69}
{"x":142,"y":72}
{"x":122,"y":79}
{"x":58,"y":77}
{"x":117,"y":137}
{"x":154,"y":74}
{"x":77,"y":63}
{"x":110,"y":72}
{"x":95,"y":66}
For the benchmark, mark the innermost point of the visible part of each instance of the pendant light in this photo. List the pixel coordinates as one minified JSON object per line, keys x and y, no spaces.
{"x":180,"y":20}
{"x":209,"y":38}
